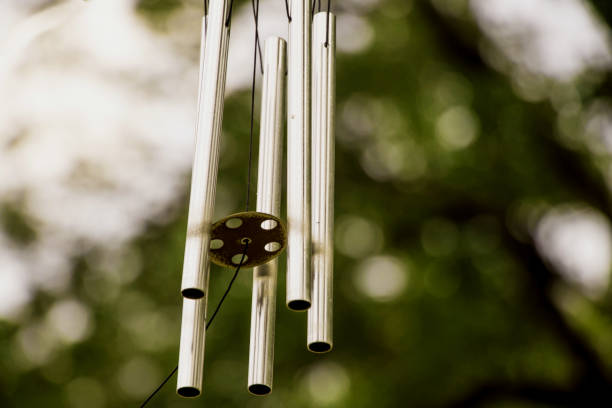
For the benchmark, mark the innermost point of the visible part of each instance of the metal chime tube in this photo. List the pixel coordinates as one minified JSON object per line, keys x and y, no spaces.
{"x":263,"y":308}
{"x":191,"y":352}
{"x":201,"y":71}
{"x":205,"y":164}
{"x":298,"y":157}
{"x":213,"y":66}
{"x":323,"y":119}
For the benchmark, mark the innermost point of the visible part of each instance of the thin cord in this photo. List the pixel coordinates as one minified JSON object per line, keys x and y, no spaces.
{"x":287,"y":8}
{"x":227,"y":290}
{"x":229,"y":15}
{"x":160,"y":387}
{"x":205,"y":16}
{"x":326,"y":23}
{"x":314,"y":4}
{"x":229,"y":287}
{"x":257,"y":42}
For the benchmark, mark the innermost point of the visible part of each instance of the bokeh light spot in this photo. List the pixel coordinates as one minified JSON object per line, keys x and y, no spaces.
{"x":327,"y":383}
{"x":457,"y":128}
{"x":358,"y":237}
{"x":383,"y":278}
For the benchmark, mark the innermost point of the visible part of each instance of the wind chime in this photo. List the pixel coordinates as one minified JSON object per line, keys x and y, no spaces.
{"x":256,"y":238}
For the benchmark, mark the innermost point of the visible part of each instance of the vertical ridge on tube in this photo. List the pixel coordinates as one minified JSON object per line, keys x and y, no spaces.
{"x":263,"y":309}
{"x":320,"y":332}
{"x":298,"y":157}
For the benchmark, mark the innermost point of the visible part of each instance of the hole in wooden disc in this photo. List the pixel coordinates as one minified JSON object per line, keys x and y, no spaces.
{"x":236,"y":259}
{"x":216,"y":244}
{"x":233,"y":223}
{"x":246,"y":240}
{"x":269,"y":224}
{"x":272,"y":246}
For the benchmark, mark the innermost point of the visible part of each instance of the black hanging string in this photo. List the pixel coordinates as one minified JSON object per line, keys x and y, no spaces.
{"x":205,"y":15}
{"x":257,"y":42}
{"x":159,"y":387}
{"x":212,"y":317}
{"x":229,"y":15}
{"x":314,"y":4}
{"x":287,"y":8}
{"x":326,"y":23}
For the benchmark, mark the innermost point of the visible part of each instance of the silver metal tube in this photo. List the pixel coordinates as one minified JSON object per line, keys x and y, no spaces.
{"x":201,"y":71}
{"x":205,"y":163}
{"x":323,"y":122}
{"x":263,"y":308}
{"x":193,"y":323}
{"x":191,"y":352}
{"x":298,"y":157}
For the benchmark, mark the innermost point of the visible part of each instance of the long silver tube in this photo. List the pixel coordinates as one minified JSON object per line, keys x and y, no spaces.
{"x":263,"y":308}
{"x":323,"y":122}
{"x":205,"y":164}
{"x":193,"y":323}
{"x":298,"y":157}
{"x":213,"y":64}
{"x":191,"y":352}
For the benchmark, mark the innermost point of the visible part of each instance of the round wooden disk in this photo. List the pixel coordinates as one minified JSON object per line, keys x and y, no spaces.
{"x":264,"y":233}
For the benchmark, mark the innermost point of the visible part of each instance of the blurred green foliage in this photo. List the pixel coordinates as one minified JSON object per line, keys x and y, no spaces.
{"x":475,"y":322}
{"x":17,"y":225}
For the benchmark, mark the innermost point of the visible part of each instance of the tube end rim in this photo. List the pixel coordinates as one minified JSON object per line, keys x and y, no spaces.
{"x":188,"y":392}
{"x":259,"y":389}
{"x":193,"y":293}
{"x":319,"y":347}
{"x":298,"y":305}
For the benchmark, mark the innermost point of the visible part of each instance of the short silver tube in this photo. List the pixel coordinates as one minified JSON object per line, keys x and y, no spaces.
{"x":191,"y":351}
{"x":263,"y":308}
{"x":323,"y":122}
{"x":205,"y":164}
{"x":298,"y":157}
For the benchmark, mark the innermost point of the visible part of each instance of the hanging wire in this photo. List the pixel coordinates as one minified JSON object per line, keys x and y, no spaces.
{"x":205,"y":15}
{"x":287,"y":8}
{"x":208,"y":324}
{"x":326,"y":23}
{"x":159,"y":387}
{"x":257,"y":42}
{"x":229,"y":14}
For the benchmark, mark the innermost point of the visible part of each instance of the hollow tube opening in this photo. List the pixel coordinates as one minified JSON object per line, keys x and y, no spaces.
{"x":188,"y":392}
{"x":298,"y":305}
{"x":193,"y":293}
{"x":319,"y":347}
{"x":259,"y":389}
